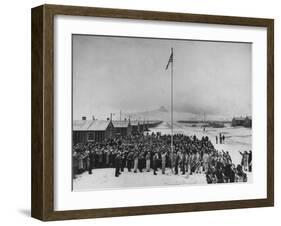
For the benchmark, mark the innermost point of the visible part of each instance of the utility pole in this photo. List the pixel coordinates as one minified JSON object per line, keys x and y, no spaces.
{"x":172,"y":100}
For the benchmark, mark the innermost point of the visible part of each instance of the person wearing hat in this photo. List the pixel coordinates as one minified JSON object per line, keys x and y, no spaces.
{"x":154,"y":163}
{"x":173,"y":161}
{"x":183,"y":162}
{"x":136,"y":161}
{"x":147,"y":159}
{"x":163,"y":161}
{"x":141,"y":163}
{"x":117,"y":164}
{"x":250,"y":161}
{"x":177,"y":160}
{"x":91,"y":161}
{"x":130,"y":161}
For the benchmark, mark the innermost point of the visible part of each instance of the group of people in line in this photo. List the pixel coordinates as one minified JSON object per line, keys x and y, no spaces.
{"x":220,"y":139}
{"x":154,"y":153}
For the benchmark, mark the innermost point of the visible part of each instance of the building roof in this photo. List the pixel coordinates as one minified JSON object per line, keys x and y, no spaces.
{"x":242,"y":118}
{"x":82,"y":125}
{"x":99,"y":125}
{"x":134,"y":123}
{"x":142,"y":122}
{"x":90,"y":125}
{"x":120,"y":124}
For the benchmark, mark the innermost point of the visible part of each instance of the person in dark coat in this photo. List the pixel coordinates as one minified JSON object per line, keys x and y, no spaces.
{"x":123,"y":161}
{"x":91,"y":162}
{"x":219,"y":172}
{"x":74,"y":165}
{"x":177,"y":163}
{"x":250,"y":161}
{"x":136,"y":161}
{"x":117,"y":165}
{"x":141,"y":162}
{"x":130,"y":161}
{"x":147,"y":161}
{"x":154,"y":163}
{"x":183,"y":163}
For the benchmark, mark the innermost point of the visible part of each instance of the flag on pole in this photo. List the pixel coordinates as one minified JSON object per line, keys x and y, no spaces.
{"x":170,"y":59}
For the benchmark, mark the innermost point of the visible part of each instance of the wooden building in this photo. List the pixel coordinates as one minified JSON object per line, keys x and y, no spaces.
{"x":242,"y":121}
{"x":135,"y":127}
{"x":143,"y":127}
{"x":248,"y":122}
{"x":92,"y":130}
{"x":122,"y":128}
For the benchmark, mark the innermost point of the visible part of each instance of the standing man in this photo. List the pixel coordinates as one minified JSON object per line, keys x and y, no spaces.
{"x":123,"y":161}
{"x":141,"y":161}
{"x":250,"y":161}
{"x":154,"y":163}
{"x":173,"y":161}
{"x":183,"y":163}
{"x":136,"y":161}
{"x":147,"y":158}
{"x":244,"y":161}
{"x":91,"y":161}
{"x":163,"y":161}
{"x":117,"y":164}
{"x":130,"y":161}
{"x":177,"y":159}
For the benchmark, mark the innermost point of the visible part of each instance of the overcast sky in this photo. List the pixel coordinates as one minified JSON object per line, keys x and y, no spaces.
{"x":117,"y":73}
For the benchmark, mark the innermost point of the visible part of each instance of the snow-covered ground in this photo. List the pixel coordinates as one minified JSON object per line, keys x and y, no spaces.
{"x":105,"y":178}
{"x":237,"y":139}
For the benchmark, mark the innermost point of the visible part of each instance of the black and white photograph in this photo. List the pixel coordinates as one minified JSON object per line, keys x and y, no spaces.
{"x":163,"y":112}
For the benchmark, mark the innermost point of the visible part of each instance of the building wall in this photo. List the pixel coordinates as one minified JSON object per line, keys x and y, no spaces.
{"x":247,"y":122}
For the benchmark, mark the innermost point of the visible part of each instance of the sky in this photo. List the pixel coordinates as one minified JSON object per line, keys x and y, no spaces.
{"x":120,"y":73}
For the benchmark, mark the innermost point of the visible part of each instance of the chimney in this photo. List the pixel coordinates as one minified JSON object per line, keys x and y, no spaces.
{"x":84,"y":118}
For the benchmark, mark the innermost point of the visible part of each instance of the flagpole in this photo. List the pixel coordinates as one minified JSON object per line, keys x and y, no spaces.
{"x":172,"y":102}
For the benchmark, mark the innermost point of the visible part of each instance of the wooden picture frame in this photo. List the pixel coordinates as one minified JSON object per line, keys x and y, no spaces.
{"x":42,"y":203}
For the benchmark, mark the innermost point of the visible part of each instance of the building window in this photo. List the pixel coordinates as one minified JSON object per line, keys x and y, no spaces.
{"x":91,"y":136}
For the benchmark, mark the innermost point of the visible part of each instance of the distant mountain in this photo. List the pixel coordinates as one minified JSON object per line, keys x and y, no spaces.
{"x":163,"y":114}
{"x":163,"y":109}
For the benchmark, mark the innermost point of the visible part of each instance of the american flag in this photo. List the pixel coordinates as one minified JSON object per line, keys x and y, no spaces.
{"x":170,"y":59}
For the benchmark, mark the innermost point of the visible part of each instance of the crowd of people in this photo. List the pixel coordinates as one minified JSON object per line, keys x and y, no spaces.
{"x":153,"y":153}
